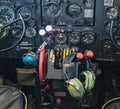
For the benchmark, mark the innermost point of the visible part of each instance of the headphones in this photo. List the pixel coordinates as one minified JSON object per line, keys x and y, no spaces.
{"x":29,"y":59}
{"x":75,"y":88}
{"x":84,"y":82}
{"x":88,"y":80}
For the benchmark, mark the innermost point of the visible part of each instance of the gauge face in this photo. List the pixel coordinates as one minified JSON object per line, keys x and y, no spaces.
{"x":60,"y":38}
{"x":108,"y":26}
{"x":88,"y":3}
{"x":112,"y":13}
{"x":16,"y":31}
{"x":25,"y":12}
{"x":30,"y":32}
{"x":107,"y":44}
{"x":117,"y":40}
{"x":74,"y":10}
{"x":88,"y":38}
{"x":52,"y":9}
{"x":4,"y":33}
{"x":6,"y":14}
{"x":106,"y":47}
{"x":74,"y":38}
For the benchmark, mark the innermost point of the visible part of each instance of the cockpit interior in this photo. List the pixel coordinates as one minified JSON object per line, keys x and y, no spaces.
{"x":59,"y":54}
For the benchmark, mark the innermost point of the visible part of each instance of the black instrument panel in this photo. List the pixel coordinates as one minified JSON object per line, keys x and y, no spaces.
{"x":80,"y":24}
{"x":72,"y":12}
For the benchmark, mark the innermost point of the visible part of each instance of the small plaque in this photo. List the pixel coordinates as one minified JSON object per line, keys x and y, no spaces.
{"x":108,"y":2}
{"x":88,"y":13}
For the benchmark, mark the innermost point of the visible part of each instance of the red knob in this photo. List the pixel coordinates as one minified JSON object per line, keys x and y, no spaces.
{"x":58,"y":101}
{"x":89,"y":53}
{"x":79,"y":56}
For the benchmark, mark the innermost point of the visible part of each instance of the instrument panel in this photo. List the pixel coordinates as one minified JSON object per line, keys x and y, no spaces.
{"x":79,"y":24}
{"x":77,"y":12}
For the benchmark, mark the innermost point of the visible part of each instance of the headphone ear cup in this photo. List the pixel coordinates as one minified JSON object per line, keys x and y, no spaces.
{"x":88,"y":79}
{"x":29,"y":59}
{"x":75,"y":88}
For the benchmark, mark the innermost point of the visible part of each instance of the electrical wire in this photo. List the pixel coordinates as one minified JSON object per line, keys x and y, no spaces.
{"x":26,"y":101}
{"x":22,"y":35}
{"x":111,"y":35}
{"x":110,"y":101}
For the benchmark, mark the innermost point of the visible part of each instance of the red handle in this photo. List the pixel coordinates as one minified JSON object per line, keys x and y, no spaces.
{"x":41,"y":61}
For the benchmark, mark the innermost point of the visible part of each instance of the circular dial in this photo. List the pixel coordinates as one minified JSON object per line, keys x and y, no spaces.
{"x":16,"y":31}
{"x":112,"y":13}
{"x":25,"y":12}
{"x":108,"y":25}
{"x":88,"y":3}
{"x":106,"y":47}
{"x":117,"y":40}
{"x":60,"y":38}
{"x":30,"y":32}
{"x":88,"y":38}
{"x":52,"y":9}
{"x":74,"y":38}
{"x":4,"y":33}
{"x":74,"y":10}
{"x":6,"y":14}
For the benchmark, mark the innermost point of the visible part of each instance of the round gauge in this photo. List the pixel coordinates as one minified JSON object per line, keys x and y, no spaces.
{"x":60,"y":38}
{"x":25,"y":12}
{"x":52,"y":9}
{"x":30,"y":32}
{"x":16,"y":31}
{"x":6,"y":14}
{"x":106,"y":46}
{"x":117,"y":40}
{"x":88,"y":3}
{"x":74,"y":10}
{"x":74,"y":38}
{"x":4,"y":33}
{"x":108,"y":25}
{"x":88,"y":38}
{"x":112,"y":13}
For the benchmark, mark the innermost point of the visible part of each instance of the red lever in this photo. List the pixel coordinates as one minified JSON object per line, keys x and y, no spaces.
{"x":41,"y":61}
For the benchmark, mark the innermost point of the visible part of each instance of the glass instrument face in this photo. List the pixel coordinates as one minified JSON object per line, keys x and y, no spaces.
{"x":112,"y":13}
{"x":60,"y":38}
{"x":88,"y":38}
{"x":6,"y":14}
{"x":75,"y":38}
{"x":25,"y":12}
